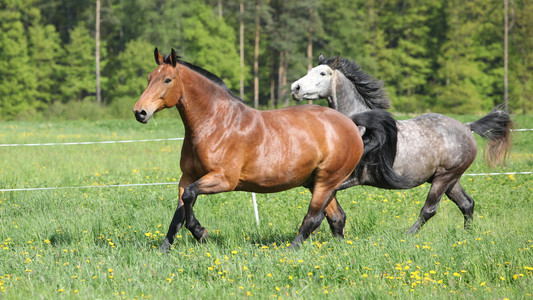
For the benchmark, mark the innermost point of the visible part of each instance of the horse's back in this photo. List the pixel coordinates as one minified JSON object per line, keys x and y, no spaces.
{"x":430,"y":142}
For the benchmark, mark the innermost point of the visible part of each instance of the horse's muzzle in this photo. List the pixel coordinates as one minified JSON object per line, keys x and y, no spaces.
{"x":141,"y":116}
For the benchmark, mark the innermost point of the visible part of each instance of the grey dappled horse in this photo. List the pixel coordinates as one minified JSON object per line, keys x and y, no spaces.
{"x":431,"y":148}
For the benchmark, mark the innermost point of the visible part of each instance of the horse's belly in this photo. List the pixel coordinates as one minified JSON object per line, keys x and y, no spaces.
{"x":272,"y":179}
{"x":430,"y":142}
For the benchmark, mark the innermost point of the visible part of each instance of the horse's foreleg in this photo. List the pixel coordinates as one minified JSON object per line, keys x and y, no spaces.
{"x":315,"y":214}
{"x":465,"y":203}
{"x":177,"y":220}
{"x":212,"y":183}
{"x":336,"y":217}
{"x":438,"y":187}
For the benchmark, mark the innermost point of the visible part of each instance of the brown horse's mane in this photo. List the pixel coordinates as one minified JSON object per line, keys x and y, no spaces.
{"x":212,"y":77}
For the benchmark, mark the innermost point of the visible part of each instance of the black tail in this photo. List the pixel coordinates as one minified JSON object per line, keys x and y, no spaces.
{"x":496,"y":127}
{"x":380,"y":137}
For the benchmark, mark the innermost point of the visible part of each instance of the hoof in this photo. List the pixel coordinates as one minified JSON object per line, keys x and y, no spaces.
{"x":165,"y":247}
{"x":203,"y":237}
{"x":412,"y":231}
{"x":293,"y":246}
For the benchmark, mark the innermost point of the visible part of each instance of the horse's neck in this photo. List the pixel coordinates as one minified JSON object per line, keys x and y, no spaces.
{"x":202,"y":100}
{"x":345,"y":97}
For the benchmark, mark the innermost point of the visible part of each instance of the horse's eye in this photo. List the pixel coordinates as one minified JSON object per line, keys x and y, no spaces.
{"x":168,"y":80}
{"x":322,"y":73}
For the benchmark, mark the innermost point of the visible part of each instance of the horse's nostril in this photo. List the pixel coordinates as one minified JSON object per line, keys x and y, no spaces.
{"x":140,"y":115}
{"x":297,"y":88}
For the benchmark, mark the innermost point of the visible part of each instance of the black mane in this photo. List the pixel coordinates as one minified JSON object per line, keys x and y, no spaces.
{"x":371,"y":90}
{"x":212,"y":77}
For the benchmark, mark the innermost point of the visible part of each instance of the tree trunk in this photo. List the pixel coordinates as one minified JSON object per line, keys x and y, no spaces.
{"x":310,"y":46}
{"x":256,"y":55}
{"x":272,"y":81}
{"x":505,"y":57}
{"x":241,"y":46}
{"x":280,"y":77}
{"x":284,"y":80}
{"x":97,"y":55}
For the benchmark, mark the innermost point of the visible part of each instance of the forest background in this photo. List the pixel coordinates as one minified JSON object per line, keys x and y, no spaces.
{"x":77,"y":59}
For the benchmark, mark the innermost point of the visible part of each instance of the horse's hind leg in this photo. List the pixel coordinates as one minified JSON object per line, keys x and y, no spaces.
{"x":336,"y":217}
{"x":315,"y":214}
{"x":438,"y":187}
{"x":465,"y":203}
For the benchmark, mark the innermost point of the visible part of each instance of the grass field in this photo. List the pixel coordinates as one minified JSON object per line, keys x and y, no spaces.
{"x":98,"y":242}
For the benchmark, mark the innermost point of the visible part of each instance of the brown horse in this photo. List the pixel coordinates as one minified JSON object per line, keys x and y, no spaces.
{"x":229,"y":146}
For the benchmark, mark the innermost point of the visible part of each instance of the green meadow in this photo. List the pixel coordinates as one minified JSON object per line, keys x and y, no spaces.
{"x":88,"y":240}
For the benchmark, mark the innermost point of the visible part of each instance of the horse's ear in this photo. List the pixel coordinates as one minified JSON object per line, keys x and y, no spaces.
{"x":159,"y":59}
{"x":321,"y":59}
{"x":173,"y":57}
{"x":337,"y":61}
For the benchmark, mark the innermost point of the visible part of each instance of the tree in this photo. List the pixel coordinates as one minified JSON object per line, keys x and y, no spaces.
{"x":17,"y":77}
{"x":97,"y":54}
{"x":346,"y":30}
{"x":256,"y":51}
{"x":288,"y":34}
{"x":521,"y":61}
{"x":210,"y":43}
{"x":46,"y":53}
{"x":79,"y":79}
{"x":471,"y":59}
{"x":129,"y":80}
{"x":404,"y":61}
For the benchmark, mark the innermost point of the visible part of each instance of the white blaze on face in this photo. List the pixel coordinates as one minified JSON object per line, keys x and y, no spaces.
{"x":315,"y":85}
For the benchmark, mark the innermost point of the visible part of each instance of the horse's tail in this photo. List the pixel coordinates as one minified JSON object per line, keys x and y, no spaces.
{"x":496,"y":127}
{"x":380,"y":137}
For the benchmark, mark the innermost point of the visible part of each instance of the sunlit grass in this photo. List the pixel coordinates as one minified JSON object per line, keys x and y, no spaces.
{"x":103,"y":242}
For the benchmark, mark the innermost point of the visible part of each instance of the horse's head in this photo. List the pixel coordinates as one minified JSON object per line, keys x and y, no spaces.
{"x":317,"y":84}
{"x":164,"y":88}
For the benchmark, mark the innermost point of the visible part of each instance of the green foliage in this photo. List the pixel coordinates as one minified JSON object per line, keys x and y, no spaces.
{"x":444,"y":56}
{"x":210,"y":43}
{"x":79,"y":62}
{"x":131,"y":78}
{"x":16,"y":74}
{"x":46,"y":52}
{"x":522,"y":80}
{"x":468,"y":66}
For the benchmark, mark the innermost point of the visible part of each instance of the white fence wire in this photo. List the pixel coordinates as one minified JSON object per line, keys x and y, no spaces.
{"x":168,"y":183}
